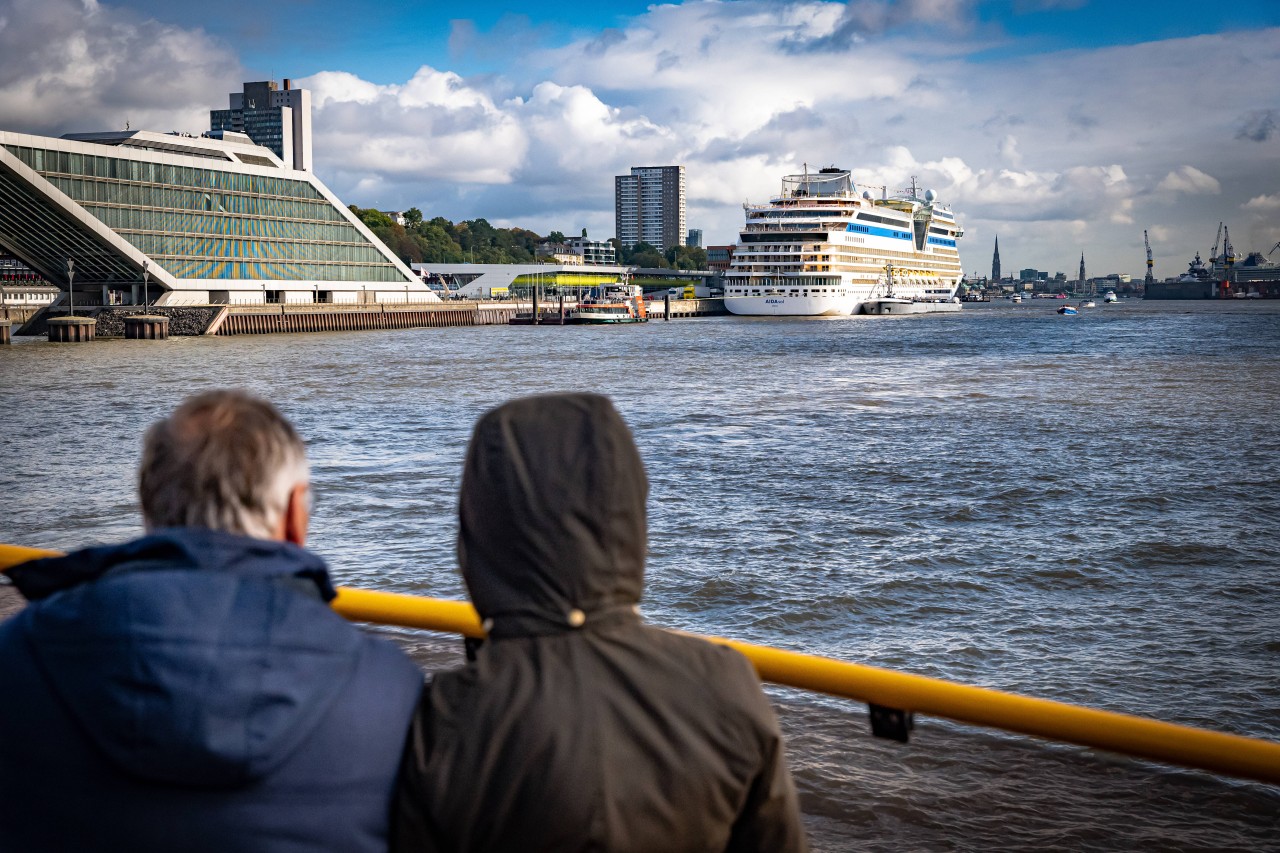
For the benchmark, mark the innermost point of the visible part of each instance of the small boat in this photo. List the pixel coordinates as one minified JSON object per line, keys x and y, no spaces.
{"x":1110,"y":296}
{"x":1017,"y":298}
{"x":1088,"y":303}
{"x":1068,"y":311}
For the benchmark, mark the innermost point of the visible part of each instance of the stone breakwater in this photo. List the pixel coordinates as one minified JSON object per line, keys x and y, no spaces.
{"x":183,"y":320}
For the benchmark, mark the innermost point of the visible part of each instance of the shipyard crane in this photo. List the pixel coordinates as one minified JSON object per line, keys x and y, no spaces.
{"x":1213,"y":255}
{"x":1150,"y":263}
{"x":1273,"y":248}
{"x":1228,"y":253}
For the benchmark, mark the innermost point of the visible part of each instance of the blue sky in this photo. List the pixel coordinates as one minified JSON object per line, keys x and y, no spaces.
{"x":391,"y":39}
{"x":1062,"y":125}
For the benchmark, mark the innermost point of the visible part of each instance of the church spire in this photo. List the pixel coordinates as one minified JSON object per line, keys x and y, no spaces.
{"x":1082,"y":277}
{"x":995,"y":261}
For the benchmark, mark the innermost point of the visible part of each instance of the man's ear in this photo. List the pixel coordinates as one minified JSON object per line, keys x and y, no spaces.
{"x":297,"y":515}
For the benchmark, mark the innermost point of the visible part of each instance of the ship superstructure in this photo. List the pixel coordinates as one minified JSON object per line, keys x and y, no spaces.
{"x":822,"y":248}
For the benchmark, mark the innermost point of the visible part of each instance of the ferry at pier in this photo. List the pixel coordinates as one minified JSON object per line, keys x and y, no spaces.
{"x":821,"y":248}
{"x":615,"y":303}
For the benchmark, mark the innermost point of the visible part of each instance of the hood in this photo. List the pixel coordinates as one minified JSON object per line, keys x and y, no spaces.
{"x":190,"y":657}
{"x":552,"y":514}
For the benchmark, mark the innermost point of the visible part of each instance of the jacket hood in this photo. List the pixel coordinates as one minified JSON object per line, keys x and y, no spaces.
{"x":552,"y":514}
{"x":190,"y":657}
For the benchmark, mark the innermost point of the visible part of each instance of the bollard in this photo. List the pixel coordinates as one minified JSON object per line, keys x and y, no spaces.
{"x":4,"y":333}
{"x":71,"y":330}
{"x":666,"y":306}
{"x":146,"y":327}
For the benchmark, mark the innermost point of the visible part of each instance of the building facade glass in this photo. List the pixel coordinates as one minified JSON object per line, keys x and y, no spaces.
{"x":202,"y":223}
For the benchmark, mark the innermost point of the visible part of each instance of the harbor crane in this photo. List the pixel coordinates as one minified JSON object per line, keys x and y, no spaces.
{"x":1228,"y":253}
{"x":1213,"y":254}
{"x":1150,"y":263}
{"x":1273,"y":248}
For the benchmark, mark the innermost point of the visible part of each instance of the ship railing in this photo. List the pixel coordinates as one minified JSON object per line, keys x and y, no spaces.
{"x":893,"y":697}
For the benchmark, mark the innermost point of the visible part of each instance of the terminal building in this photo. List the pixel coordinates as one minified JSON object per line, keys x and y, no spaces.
{"x":207,"y":220}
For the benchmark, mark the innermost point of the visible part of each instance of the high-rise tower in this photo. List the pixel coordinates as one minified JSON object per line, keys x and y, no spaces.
{"x":279,"y":119}
{"x":995,"y":261}
{"x":649,"y":206}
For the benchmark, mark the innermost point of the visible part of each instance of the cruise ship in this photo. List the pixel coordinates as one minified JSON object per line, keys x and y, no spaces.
{"x":821,"y":248}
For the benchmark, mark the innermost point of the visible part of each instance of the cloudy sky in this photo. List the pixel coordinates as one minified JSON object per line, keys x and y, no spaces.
{"x":1062,"y":125}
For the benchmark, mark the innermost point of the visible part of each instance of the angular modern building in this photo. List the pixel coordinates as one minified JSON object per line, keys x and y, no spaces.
{"x":279,"y":119}
{"x":209,"y":220}
{"x":649,"y":206}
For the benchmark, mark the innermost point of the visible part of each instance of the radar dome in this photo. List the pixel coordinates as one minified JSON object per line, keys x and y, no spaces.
{"x":866,"y":194}
{"x":930,"y":196}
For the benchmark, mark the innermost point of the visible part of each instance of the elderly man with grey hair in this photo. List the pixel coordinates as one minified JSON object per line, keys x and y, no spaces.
{"x":192,"y":690}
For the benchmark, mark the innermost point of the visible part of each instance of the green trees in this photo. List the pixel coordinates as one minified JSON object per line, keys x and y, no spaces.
{"x":687,"y":258}
{"x":439,"y":241}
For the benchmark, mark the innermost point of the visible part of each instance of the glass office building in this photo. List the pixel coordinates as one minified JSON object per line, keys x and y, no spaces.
{"x":215,"y":220}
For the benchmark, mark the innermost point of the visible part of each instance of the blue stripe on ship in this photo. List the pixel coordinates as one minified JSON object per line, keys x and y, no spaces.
{"x":938,"y":241}
{"x":878,"y":232}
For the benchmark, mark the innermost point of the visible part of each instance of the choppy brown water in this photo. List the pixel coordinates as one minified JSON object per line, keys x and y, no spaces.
{"x":1077,"y":508}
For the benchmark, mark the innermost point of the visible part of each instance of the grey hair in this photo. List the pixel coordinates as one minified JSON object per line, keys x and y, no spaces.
{"x":224,"y":460}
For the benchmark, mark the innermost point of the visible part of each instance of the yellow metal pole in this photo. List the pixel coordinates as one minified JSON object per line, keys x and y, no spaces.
{"x":1233,"y":755}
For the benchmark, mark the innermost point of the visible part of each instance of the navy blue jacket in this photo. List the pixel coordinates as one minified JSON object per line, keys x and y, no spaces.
{"x":192,"y":690}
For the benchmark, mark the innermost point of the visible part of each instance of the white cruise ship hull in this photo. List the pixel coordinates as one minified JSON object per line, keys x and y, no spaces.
{"x":792,"y":306}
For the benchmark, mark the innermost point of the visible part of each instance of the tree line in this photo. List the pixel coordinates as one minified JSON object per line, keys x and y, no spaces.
{"x":439,"y":241}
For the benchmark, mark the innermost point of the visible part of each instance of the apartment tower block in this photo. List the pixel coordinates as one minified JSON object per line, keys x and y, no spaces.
{"x":649,"y":206}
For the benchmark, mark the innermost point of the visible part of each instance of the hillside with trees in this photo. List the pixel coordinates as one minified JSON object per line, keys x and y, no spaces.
{"x":439,"y":241}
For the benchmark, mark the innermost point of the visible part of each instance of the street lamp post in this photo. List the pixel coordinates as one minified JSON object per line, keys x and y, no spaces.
{"x":406,"y":294}
{"x":264,"y":293}
{"x":71,"y":281}
{"x":146,"y":277}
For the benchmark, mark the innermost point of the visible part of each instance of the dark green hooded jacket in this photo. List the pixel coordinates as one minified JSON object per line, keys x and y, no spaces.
{"x":577,"y":726}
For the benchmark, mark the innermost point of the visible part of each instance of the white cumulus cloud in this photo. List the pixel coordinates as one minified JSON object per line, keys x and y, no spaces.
{"x":1189,"y":180}
{"x":1263,"y":203}
{"x":77,"y":66}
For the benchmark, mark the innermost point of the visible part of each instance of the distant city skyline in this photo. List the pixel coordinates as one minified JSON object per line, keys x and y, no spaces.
{"x":1067,"y":126}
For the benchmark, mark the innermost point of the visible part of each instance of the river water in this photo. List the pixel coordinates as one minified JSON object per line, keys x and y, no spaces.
{"x":1080,"y":508}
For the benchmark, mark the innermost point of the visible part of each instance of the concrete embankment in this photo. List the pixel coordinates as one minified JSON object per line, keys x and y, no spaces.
{"x":227,"y":320}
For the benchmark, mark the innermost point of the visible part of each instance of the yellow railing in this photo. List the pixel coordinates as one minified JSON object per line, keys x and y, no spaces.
{"x":1233,"y":755}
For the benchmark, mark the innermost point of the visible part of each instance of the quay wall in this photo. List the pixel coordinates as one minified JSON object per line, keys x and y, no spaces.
{"x":229,"y":320}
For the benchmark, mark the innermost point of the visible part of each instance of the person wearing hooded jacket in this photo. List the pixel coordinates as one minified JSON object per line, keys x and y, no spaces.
{"x":193,"y":690}
{"x":576,"y":726}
